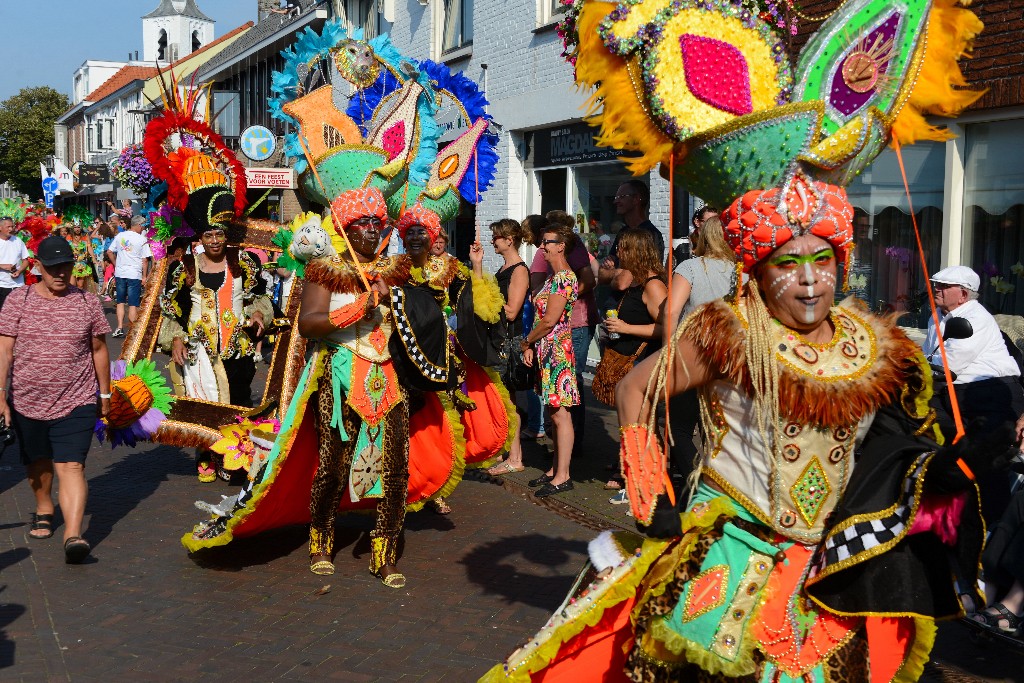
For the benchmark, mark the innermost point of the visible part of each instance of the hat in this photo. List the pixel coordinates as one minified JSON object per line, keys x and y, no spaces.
{"x":958,"y":275}
{"x":54,"y":250}
{"x":418,"y":215}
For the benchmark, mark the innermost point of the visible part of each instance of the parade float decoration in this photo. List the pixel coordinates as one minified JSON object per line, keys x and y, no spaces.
{"x":246,"y":443}
{"x":78,"y":215}
{"x":14,"y":209}
{"x":140,"y":401}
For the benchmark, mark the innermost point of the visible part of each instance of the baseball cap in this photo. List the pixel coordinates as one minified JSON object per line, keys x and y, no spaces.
{"x":54,"y":250}
{"x":958,"y":275}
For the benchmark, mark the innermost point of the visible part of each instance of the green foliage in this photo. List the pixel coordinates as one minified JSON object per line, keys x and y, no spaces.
{"x":26,"y":135}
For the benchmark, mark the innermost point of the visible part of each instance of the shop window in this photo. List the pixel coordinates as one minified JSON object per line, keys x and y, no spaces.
{"x":227,"y":105}
{"x":457,"y":25}
{"x":593,"y":203}
{"x":886,"y":271}
{"x":994,"y":212}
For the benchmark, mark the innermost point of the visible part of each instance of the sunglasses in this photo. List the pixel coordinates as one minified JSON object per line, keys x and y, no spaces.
{"x":546,"y":242}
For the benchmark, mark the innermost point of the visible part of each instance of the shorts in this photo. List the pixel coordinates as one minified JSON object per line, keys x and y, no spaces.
{"x":64,"y":439}
{"x":129,"y":291}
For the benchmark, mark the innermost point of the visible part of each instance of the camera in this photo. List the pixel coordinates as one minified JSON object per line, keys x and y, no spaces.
{"x":6,"y":433}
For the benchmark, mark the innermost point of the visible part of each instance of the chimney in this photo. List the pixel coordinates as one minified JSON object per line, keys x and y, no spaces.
{"x":264,"y":7}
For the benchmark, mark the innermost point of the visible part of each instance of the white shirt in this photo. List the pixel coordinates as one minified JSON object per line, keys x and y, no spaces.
{"x":983,"y":355}
{"x":12,"y":250}
{"x":131,"y":248}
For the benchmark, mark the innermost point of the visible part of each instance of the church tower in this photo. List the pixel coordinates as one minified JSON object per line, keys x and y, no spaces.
{"x":173,"y":30}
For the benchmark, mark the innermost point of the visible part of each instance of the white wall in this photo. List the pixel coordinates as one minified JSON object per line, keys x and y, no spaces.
{"x":91,"y":75}
{"x":179,"y":32}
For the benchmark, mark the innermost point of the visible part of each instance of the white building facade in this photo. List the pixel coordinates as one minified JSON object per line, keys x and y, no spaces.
{"x":174,"y":29}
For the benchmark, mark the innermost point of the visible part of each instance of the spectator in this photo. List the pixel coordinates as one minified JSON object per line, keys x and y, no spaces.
{"x":440,"y":245}
{"x":706,"y":277}
{"x":584,"y":312}
{"x":534,"y":224}
{"x":987,"y":381}
{"x":682,"y":250}
{"x":1003,"y":561}
{"x":632,"y":203}
{"x":514,"y":281}
{"x":116,"y":224}
{"x":124,"y":213}
{"x":555,"y":354}
{"x":54,"y":355}
{"x":636,"y":321}
{"x":13,"y":259}
{"x":128,"y":252}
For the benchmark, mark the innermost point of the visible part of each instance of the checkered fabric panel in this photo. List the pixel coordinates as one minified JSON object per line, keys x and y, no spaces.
{"x":864,"y":536}
{"x":405,"y":331}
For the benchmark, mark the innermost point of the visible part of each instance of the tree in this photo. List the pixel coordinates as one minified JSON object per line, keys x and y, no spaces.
{"x":26,"y":135}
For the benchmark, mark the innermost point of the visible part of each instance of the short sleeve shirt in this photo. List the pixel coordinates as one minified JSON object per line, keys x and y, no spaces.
{"x":52,"y":371}
{"x":13,"y":251}
{"x":709,"y":279}
{"x":132,"y":248}
{"x":584,"y":313}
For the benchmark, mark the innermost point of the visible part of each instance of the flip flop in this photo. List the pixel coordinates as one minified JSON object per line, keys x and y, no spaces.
{"x":76,"y":549}
{"x":41,"y":523}
{"x":504,"y":468}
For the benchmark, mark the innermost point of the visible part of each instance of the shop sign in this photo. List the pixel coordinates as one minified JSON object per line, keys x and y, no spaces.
{"x":572,"y":143}
{"x":283,"y":178}
{"x":93,"y":174}
{"x":451,"y":119}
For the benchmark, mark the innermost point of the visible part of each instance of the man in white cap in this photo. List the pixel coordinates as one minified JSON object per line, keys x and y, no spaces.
{"x":987,"y":377}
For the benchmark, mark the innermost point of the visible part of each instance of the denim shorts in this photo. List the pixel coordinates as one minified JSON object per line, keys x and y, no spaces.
{"x":129,"y":291}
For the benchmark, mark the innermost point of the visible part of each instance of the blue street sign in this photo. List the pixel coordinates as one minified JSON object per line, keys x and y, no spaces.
{"x":50,"y":185}
{"x":48,"y":196}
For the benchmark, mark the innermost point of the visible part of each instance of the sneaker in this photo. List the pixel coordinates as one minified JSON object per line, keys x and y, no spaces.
{"x":117,"y":333}
{"x":619,"y":498}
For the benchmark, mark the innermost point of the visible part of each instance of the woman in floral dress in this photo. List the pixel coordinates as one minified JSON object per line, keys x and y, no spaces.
{"x":552,"y":335}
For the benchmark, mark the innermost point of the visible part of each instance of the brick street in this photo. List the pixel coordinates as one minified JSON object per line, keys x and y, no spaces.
{"x":480,"y":582}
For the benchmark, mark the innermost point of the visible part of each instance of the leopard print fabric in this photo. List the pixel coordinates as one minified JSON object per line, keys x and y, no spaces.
{"x":332,"y":472}
{"x":640,"y":666}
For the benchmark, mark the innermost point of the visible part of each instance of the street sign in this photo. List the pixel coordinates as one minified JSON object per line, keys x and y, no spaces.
{"x":50,"y":185}
{"x":48,"y":197}
{"x":258,"y":143}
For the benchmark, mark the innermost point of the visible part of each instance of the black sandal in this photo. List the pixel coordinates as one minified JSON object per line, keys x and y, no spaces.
{"x":76,"y":549}
{"x":991,"y":621}
{"x":41,"y":523}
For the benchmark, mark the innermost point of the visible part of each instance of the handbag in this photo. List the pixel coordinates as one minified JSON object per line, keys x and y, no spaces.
{"x":612,"y":368}
{"x":515,"y":373}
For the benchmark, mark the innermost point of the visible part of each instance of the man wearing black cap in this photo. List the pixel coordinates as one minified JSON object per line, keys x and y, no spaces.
{"x":54,"y":380}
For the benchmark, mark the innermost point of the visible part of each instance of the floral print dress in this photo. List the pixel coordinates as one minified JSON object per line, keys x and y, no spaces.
{"x":555,"y":355}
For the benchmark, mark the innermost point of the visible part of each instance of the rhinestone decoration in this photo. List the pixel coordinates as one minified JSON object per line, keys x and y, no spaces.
{"x":810,"y":491}
{"x":706,"y":592}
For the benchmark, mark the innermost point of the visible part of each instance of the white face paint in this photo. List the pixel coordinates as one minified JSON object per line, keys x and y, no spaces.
{"x":801,"y":280}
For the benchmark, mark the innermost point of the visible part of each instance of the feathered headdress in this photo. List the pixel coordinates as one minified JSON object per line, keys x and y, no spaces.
{"x":205,"y":180}
{"x":707,"y":87}
{"x":368,"y":117}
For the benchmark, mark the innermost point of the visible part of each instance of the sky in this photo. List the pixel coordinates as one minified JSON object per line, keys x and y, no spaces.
{"x":44,"y":41}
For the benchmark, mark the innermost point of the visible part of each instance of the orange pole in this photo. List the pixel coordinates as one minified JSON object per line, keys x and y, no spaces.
{"x":957,"y":419}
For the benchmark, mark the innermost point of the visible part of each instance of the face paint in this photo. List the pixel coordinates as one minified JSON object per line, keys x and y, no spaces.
{"x":801,"y":284}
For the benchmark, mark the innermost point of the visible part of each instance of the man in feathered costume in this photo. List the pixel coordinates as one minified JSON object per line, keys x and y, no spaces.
{"x":824,"y":519}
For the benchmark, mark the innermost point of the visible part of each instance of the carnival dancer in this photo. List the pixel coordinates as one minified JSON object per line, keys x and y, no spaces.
{"x":213,"y":304}
{"x":825,"y":522}
{"x":472,"y":301}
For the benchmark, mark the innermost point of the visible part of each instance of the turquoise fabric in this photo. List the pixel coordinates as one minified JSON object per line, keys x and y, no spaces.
{"x":341,"y":382}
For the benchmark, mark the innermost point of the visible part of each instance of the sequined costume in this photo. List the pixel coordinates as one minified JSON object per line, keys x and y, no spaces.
{"x":348,"y":397}
{"x":483,"y":403}
{"x":83,"y":262}
{"x":822,"y":540}
{"x":728,"y":597}
{"x":210,"y":312}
